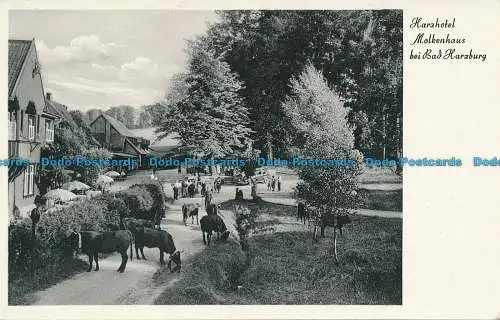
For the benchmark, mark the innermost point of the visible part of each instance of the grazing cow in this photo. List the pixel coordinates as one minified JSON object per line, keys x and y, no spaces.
{"x":161,"y":239}
{"x":329,"y":220}
{"x":191,"y":190}
{"x":190,"y":210}
{"x":92,"y":243}
{"x":302,"y":213}
{"x":213,"y":223}
{"x":212,"y":209}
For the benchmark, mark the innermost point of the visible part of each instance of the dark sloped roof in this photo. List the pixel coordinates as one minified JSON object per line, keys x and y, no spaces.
{"x":119,"y":126}
{"x":18,"y":51}
{"x":61,"y":111}
{"x":50,"y":109}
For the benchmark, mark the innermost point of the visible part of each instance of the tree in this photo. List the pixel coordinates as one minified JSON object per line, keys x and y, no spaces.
{"x":318,"y":115}
{"x":92,"y":114}
{"x":145,"y":120}
{"x":209,"y":115}
{"x":128,"y":116}
{"x":360,"y":53}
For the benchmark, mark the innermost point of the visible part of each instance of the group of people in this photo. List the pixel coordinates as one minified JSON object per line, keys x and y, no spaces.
{"x":273,"y":183}
{"x":184,"y":187}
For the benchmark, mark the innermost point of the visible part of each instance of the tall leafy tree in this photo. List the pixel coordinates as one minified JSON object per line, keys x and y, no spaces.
{"x":360,"y":53}
{"x":209,"y":114}
{"x":319,"y":117}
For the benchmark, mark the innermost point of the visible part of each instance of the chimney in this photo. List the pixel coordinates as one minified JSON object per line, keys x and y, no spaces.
{"x":49,"y":96}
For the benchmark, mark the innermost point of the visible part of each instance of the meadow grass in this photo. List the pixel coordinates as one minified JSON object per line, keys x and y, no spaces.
{"x":22,"y":288}
{"x":291,"y":268}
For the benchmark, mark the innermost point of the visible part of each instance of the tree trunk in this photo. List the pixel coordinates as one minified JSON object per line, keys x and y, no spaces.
{"x":315,"y":233}
{"x":335,"y":245}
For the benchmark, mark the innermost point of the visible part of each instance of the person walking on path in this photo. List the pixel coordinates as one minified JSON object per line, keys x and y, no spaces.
{"x":279,"y":183}
{"x":273,"y":183}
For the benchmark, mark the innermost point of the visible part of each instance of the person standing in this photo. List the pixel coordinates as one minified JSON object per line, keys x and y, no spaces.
{"x":178,"y":187}
{"x":273,"y":183}
{"x":35,"y":214}
{"x":279,"y":183}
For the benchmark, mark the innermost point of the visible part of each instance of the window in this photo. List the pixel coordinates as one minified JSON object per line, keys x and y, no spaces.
{"x":12,"y":126}
{"x":29,"y":180}
{"x":31,"y":127}
{"x":49,"y":132}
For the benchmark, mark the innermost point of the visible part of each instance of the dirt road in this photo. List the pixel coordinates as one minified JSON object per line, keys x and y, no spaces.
{"x":135,"y":285}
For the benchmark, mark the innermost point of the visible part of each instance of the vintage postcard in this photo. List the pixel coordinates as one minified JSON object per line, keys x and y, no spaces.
{"x":274,"y":160}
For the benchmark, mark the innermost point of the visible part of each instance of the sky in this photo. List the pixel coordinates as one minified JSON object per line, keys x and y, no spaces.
{"x":102,"y":58}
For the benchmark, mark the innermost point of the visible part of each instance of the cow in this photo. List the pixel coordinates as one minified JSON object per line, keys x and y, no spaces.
{"x":190,"y":210}
{"x":92,"y":243}
{"x":212,"y":209}
{"x":213,"y":223}
{"x":302,"y":213}
{"x":161,"y":239}
{"x":329,"y":221}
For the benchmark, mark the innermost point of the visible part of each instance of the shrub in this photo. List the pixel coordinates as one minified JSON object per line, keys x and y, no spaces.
{"x":20,"y":244}
{"x":144,"y":200}
{"x":50,"y":247}
{"x":115,"y":204}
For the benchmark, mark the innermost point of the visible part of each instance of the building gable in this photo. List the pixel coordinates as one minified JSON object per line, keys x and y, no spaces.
{"x":25,"y":81}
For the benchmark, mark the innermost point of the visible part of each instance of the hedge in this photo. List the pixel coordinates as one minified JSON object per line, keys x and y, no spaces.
{"x":140,"y":201}
{"x":143,"y":200}
{"x":50,"y":246}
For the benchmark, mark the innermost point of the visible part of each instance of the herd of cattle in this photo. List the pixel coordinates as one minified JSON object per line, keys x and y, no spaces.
{"x":146,"y":233}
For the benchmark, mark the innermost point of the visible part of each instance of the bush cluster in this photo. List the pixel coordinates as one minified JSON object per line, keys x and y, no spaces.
{"x":143,"y":201}
{"x":49,"y":249}
{"x":49,"y":246}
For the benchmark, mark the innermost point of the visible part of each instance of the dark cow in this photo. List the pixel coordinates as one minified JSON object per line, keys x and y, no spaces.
{"x":329,"y":221}
{"x":212,"y":209}
{"x":190,"y":210}
{"x":302,"y":213}
{"x":161,"y":239}
{"x":92,"y":243}
{"x":213,"y":223}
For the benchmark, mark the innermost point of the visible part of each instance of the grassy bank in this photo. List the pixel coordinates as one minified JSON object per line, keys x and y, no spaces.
{"x":289,"y":268}
{"x":387,"y":200}
{"x":211,"y":277}
{"x":22,"y":288}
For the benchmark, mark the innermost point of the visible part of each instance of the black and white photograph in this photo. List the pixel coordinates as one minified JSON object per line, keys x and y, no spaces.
{"x":205,"y":157}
